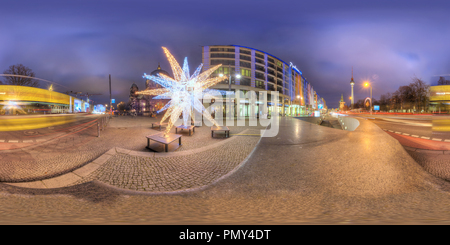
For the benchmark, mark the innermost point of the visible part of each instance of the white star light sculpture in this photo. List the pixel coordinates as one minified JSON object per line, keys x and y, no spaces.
{"x":184,"y":91}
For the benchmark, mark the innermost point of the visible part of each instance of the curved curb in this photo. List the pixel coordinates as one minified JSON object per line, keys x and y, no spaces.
{"x":420,"y":150}
{"x":70,"y":178}
{"x":415,"y":149}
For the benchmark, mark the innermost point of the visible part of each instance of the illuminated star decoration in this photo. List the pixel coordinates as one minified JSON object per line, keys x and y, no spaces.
{"x":184,"y":91}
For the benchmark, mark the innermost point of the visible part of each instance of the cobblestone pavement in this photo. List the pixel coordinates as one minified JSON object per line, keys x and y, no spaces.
{"x":175,"y":172}
{"x":65,"y":154}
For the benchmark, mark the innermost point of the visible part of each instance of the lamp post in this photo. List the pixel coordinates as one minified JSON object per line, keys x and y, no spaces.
{"x":367,"y":85}
{"x":110,"y":101}
{"x":229,"y":85}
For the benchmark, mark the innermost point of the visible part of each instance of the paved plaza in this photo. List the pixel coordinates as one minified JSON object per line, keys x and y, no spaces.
{"x":119,"y":158}
{"x":307,"y":174}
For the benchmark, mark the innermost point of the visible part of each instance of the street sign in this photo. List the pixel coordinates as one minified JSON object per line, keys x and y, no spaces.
{"x":376,"y":107}
{"x":113,"y":101}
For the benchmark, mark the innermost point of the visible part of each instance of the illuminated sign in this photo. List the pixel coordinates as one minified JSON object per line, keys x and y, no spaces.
{"x":295,"y":68}
{"x":376,"y":107}
{"x":113,"y":101}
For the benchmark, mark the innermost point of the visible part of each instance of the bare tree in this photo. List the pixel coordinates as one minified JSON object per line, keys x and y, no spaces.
{"x":385,"y":102}
{"x":413,"y":96}
{"x":359,"y":104}
{"x":21,"y":76}
{"x":420,"y":91}
{"x":443,"y":81}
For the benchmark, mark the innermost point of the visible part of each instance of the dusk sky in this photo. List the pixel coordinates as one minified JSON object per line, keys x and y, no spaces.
{"x":77,"y":44}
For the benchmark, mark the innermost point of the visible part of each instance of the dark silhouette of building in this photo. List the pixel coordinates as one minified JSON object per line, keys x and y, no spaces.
{"x":145,"y":104}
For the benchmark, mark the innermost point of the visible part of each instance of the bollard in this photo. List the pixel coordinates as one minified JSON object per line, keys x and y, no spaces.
{"x":98,"y":128}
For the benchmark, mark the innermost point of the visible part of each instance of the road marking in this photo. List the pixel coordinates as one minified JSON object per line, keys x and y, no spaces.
{"x":13,"y":141}
{"x":447,"y":140}
{"x":423,"y":137}
{"x":391,"y":131}
{"x":398,"y":132}
{"x":27,"y":141}
{"x":436,"y":139}
{"x":405,"y":134}
{"x":2,"y":140}
{"x":416,"y":136}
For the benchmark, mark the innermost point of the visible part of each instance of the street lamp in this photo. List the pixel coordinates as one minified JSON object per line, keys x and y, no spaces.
{"x":367,"y":84}
{"x":229,"y":84}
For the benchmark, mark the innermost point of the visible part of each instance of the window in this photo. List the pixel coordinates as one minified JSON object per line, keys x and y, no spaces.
{"x":245,"y":51}
{"x":260,"y":68}
{"x":270,"y":79}
{"x":259,"y":84}
{"x":280,"y":89}
{"x":259,"y":55}
{"x":243,"y":57}
{"x":245,"y":64}
{"x":245,"y":81}
{"x":222,"y":55}
{"x":223,"y":62}
{"x":270,"y":59}
{"x":259,"y":61}
{"x":224,"y":70}
{"x":221,"y":50}
{"x":260,"y":75}
{"x":245,"y":72}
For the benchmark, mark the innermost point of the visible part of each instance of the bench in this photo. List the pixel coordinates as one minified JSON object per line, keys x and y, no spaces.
{"x":220,"y":128}
{"x":197,"y":123}
{"x":159,"y":125}
{"x":163,"y":140}
{"x":185,"y":127}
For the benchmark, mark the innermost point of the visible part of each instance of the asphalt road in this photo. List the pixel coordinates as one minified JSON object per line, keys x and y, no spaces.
{"x":409,"y":125}
{"x":20,"y":138}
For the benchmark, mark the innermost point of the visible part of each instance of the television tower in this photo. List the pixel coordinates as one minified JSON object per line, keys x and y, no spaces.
{"x":352,"y":83}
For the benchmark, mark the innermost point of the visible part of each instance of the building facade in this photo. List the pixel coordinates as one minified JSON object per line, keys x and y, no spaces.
{"x":145,"y":105}
{"x":261,"y":71}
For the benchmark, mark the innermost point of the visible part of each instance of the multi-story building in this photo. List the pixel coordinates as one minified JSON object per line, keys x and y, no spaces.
{"x":261,"y":71}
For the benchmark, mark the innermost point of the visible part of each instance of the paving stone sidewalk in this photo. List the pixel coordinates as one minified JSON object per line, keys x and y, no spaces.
{"x":188,"y":166}
{"x":171,"y":172}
